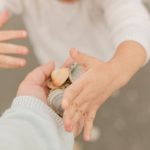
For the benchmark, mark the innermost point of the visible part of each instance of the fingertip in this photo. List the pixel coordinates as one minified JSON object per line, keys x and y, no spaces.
{"x":74,"y":52}
{"x":52,"y":63}
{"x":24,"y":33}
{"x":3,"y":18}
{"x":22,"y":63}
{"x":68,"y":127}
{"x":25,"y":51}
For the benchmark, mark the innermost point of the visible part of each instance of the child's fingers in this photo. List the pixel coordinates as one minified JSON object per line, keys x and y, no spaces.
{"x":3,"y":18}
{"x":78,"y":128}
{"x":67,"y":117}
{"x":9,"y":35}
{"x":13,"y":49}
{"x":73,"y":115}
{"x":11,"y":62}
{"x":68,"y":62}
{"x":88,"y":125}
{"x":71,"y":93}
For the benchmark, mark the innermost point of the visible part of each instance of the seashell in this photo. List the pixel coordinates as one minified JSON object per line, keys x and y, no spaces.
{"x":75,"y":72}
{"x":60,"y":76}
{"x":54,"y":100}
{"x":60,"y":80}
{"x":51,"y":86}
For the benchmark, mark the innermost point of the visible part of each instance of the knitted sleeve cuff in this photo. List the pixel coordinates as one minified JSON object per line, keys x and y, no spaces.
{"x":36,"y":106}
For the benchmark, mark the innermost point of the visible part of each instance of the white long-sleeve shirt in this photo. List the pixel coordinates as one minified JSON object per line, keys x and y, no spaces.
{"x":96,"y":27}
{"x":31,"y":125}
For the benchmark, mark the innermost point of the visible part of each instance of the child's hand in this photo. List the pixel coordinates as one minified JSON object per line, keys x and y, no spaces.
{"x":5,"y":48}
{"x":83,"y":98}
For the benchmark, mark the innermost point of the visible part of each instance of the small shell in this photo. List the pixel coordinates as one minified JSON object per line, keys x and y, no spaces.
{"x":60,"y":76}
{"x":51,"y":86}
{"x":54,"y":100}
{"x":75,"y":72}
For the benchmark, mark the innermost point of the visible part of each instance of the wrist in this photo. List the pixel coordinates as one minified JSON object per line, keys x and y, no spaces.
{"x":128,"y":59}
{"x":27,"y":90}
{"x":120,"y":74}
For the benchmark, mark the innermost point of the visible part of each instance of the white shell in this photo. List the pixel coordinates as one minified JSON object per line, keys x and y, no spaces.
{"x":55,"y":99}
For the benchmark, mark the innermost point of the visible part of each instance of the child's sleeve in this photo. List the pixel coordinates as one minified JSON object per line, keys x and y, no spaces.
{"x":13,"y":6}
{"x":31,"y":125}
{"x":128,"y":20}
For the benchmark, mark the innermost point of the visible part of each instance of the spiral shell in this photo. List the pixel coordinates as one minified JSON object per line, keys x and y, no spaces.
{"x":55,"y":99}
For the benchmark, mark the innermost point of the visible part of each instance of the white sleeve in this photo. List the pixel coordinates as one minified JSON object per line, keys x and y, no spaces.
{"x":14,"y":6}
{"x":128,"y":20}
{"x":31,"y":125}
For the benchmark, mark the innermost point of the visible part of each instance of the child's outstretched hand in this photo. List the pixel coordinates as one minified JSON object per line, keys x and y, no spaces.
{"x":7,"y":49}
{"x":83,"y":98}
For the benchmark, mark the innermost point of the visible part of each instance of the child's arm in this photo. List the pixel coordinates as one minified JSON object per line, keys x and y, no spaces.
{"x":129,"y":24}
{"x":128,"y":20}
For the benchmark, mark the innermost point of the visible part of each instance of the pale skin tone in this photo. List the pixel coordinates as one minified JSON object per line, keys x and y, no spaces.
{"x":86,"y":95}
{"x":10,"y":49}
{"x":98,"y":76}
{"x":35,"y":84}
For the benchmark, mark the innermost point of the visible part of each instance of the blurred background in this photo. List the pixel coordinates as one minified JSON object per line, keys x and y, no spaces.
{"x":123,"y":122}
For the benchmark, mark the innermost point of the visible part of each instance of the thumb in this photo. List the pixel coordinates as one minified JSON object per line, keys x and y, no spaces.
{"x":40,"y":74}
{"x":3,"y":18}
{"x":81,"y":58}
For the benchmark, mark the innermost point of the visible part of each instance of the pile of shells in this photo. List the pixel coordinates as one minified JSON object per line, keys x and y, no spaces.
{"x":60,"y":79}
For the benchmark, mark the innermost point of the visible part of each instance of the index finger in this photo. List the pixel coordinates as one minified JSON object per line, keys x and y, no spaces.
{"x":9,"y":35}
{"x":69,"y":61}
{"x":71,"y":93}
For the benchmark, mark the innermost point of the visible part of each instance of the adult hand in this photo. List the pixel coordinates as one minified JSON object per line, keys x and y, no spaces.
{"x":35,"y":84}
{"x":83,"y":98}
{"x":7,"y":49}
